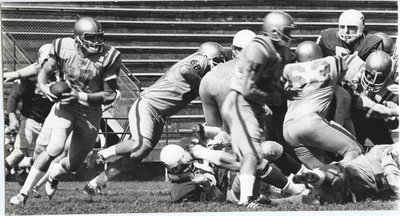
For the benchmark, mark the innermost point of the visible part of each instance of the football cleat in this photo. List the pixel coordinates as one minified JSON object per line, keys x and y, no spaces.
{"x":19,"y":199}
{"x":51,"y":187}
{"x":92,"y":190}
{"x":35,"y":192}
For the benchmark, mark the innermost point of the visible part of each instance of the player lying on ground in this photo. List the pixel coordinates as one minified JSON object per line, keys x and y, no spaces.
{"x":180,"y":158}
{"x":367,"y":176}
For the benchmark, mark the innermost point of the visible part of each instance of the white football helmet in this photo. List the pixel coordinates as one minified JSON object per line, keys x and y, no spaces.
{"x":43,"y":53}
{"x":278,"y":26}
{"x":89,"y":35}
{"x":377,"y":69}
{"x":308,"y":51}
{"x":351,"y":25}
{"x":240,"y":41}
{"x":171,"y":155}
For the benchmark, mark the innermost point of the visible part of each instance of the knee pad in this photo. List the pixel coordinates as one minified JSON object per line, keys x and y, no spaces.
{"x":271,"y":150}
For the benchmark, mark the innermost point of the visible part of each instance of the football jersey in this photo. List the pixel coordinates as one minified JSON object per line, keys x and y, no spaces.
{"x":172,"y":92}
{"x":256,"y":75}
{"x":366,"y":172}
{"x":332,"y":45}
{"x":85,"y":74}
{"x":312,"y":85}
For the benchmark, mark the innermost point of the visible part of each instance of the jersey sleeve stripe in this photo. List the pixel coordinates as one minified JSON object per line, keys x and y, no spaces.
{"x":114,"y":76}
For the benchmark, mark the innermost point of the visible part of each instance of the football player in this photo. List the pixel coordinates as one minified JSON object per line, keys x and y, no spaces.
{"x":349,"y":38}
{"x":172,"y":92}
{"x":35,"y":108}
{"x":375,"y":100}
{"x":366,"y":176}
{"x":91,"y":69}
{"x":255,"y":83}
{"x":189,"y":150}
{"x":311,"y":83}
{"x":31,"y":70}
{"x":215,"y":85}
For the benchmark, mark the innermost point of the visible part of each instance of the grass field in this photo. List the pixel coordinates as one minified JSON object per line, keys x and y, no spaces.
{"x":148,"y":197}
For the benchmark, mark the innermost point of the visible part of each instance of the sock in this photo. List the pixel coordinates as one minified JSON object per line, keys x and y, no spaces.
{"x":57,"y":170}
{"x":246,"y":187}
{"x":287,"y":164}
{"x":45,"y":177}
{"x":26,"y":162}
{"x":108,"y":152}
{"x":100,"y":180}
{"x":292,"y":188}
{"x":123,"y":148}
{"x":274,"y":177}
{"x":31,"y":180}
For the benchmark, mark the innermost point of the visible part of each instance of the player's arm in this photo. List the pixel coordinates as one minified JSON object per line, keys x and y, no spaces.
{"x":381,"y":109}
{"x":12,"y":104}
{"x":48,"y":68}
{"x":31,"y":70}
{"x":219,"y":158}
{"x":110,"y":88}
{"x":193,"y":70}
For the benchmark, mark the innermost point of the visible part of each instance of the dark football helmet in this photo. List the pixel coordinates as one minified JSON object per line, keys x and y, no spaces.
{"x":278,"y":26}
{"x":388,"y":44}
{"x":89,"y":35}
{"x":214,"y":52}
{"x":308,"y":51}
{"x":377,"y":69}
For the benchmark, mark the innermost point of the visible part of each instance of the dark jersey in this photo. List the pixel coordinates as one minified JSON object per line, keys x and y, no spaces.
{"x":332,"y":45}
{"x":34,"y":105}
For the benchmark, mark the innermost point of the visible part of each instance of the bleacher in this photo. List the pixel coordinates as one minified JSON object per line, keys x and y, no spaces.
{"x":153,"y":35}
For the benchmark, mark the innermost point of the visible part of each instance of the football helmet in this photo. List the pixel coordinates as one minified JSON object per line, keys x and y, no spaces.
{"x":214,"y":53}
{"x":388,"y":44}
{"x":308,"y":51}
{"x":89,"y":35}
{"x":351,"y":25}
{"x":175,"y":158}
{"x":43,"y":53}
{"x":240,"y":41}
{"x":377,"y":69}
{"x":278,"y":26}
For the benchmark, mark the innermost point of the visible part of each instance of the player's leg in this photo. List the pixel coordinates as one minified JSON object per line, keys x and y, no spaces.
{"x":146,"y":128}
{"x":85,"y":130}
{"x":317,"y":133}
{"x":246,"y":138}
{"x":27,"y":135}
{"x":54,"y":133}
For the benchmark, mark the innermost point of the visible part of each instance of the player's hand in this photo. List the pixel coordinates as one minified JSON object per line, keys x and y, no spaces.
{"x":10,"y":76}
{"x":70,"y":97}
{"x":46,"y":92}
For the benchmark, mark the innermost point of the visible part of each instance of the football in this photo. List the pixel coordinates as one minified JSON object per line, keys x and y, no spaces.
{"x":58,"y":88}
